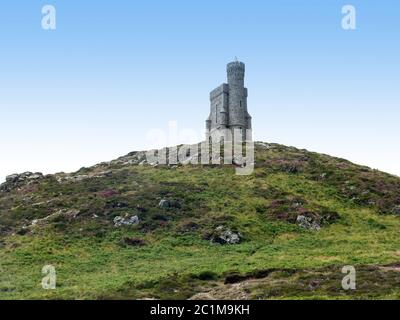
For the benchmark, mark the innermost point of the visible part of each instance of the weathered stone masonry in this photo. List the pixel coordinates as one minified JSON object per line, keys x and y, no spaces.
{"x":229,"y":103}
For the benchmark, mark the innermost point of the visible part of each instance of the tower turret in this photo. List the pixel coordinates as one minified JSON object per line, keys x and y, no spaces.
{"x":237,"y":95}
{"x":235,"y":71}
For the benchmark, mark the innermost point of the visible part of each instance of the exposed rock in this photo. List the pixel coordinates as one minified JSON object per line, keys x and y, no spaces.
{"x":165,"y":204}
{"x":308,"y":223}
{"x":297,"y":210}
{"x":37,"y":204}
{"x":126,"y":221}
{"x":224,"y":235}
{"x":202,"y":296}
{"x":73,"y":213}
{"x":396,"y":210}
{"x":18,"y":180}
{"x":133,"y":158}
{"x":24,"y":176}
{"x":263,"y":145}
{"x":12,"y":177}
{"x":141,"y":157}
{"x":80,"y":177}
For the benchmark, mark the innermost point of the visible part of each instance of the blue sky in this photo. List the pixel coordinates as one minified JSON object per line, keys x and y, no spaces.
{"x":91,"y":90}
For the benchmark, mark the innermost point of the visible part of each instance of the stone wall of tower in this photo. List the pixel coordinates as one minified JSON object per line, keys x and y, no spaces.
{"x":228,"y":102}
{"x":219,"y":100}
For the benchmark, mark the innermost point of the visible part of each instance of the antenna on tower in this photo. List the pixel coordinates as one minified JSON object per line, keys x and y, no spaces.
{"x":236,"y":59}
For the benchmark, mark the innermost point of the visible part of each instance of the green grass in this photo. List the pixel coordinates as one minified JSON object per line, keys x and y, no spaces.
{"x":91,"y":262}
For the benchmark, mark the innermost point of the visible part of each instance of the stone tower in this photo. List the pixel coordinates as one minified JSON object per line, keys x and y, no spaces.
{"x":229,"y":103}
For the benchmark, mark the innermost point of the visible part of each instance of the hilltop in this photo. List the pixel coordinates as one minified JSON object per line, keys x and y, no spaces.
{"x":128,"y":229}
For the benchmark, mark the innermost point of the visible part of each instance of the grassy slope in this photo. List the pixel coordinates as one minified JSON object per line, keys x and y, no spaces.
{"x":93,"y":262}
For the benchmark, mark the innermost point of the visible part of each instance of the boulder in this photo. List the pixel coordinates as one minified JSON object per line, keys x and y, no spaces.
{"x":126,"y":221}
{"x":12,"y":178}
{"x":308,"y":223}
{"x":224,"y":235}
{"x":166,"y":204}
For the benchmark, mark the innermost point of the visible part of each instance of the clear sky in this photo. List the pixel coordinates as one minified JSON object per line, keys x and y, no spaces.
{"x":92,"y":89}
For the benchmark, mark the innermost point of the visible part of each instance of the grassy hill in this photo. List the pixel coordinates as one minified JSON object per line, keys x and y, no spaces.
{"x":108,"y":236}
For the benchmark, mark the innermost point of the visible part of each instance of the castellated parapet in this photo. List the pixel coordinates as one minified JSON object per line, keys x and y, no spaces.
{"x":229,"y":103}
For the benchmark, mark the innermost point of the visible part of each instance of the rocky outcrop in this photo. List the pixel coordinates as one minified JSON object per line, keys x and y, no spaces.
{"x":15,"y":181}
{"x":135,"y":157}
